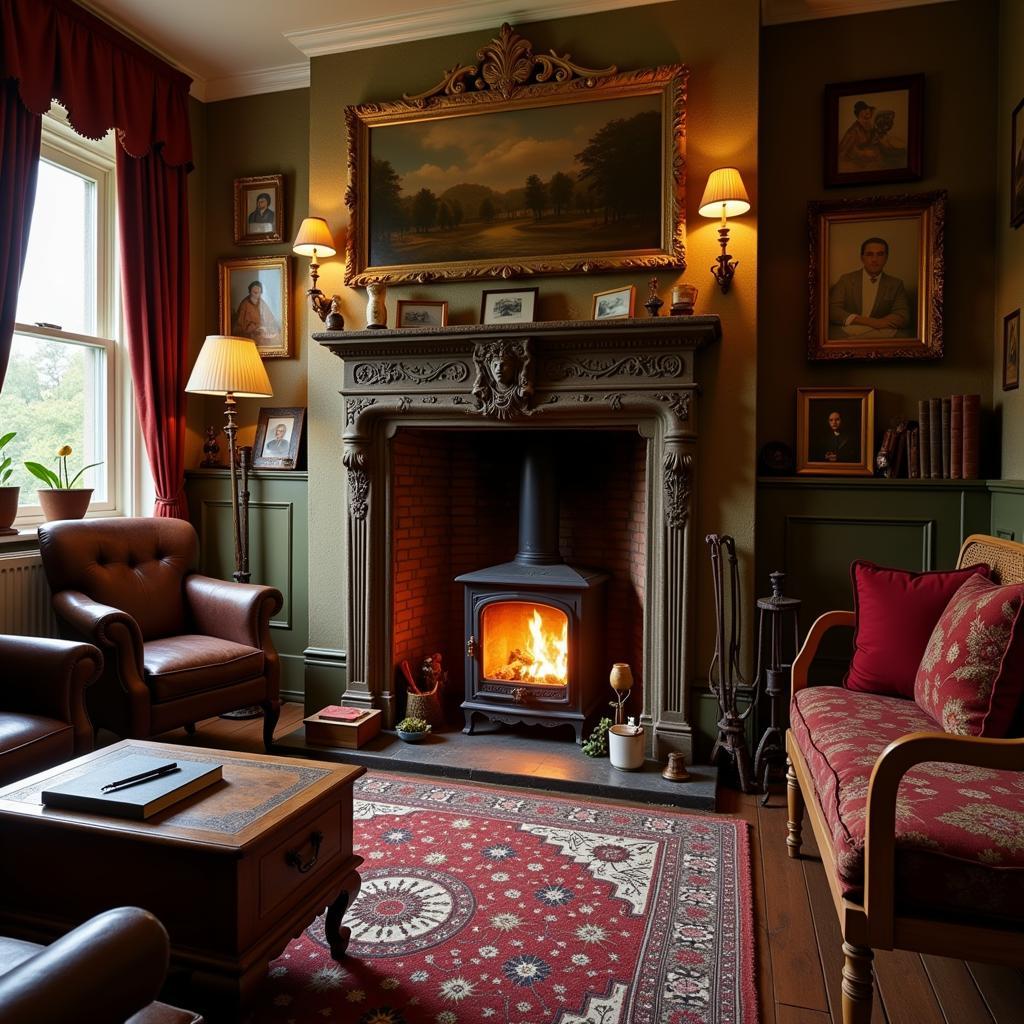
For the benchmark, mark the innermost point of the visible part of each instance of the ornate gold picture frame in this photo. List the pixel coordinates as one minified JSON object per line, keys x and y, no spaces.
{"x":254,"y":302}
{"x":259,"y":210}
{"x":517,"y":165}
{"x":835,"y":431}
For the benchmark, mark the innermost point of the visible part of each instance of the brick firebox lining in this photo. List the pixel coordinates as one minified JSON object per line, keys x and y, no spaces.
{"x":455,"y":509}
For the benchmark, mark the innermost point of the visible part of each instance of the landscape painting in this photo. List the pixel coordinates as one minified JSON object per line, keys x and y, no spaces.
{"x":578,"y":183}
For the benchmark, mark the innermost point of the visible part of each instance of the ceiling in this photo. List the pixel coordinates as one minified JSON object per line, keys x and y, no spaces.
{"x":241,"y":47}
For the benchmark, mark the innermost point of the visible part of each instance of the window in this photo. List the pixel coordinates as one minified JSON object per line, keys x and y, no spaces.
{"x":67,"y":378}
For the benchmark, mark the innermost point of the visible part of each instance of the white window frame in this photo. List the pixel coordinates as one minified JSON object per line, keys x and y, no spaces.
{"x":125,"y":465}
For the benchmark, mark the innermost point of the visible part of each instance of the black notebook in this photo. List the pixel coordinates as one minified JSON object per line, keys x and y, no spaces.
{"x":138,"y":801}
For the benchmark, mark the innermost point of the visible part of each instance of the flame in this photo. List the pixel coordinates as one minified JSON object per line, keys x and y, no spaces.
{"x":524,"y":644}
{"x":549,"y":651}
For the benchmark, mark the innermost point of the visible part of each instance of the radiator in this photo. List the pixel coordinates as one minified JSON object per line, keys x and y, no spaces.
{"x":25,"y":596}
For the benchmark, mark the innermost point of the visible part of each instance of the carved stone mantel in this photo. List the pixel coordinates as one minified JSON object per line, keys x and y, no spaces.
{"x":616,"y":373}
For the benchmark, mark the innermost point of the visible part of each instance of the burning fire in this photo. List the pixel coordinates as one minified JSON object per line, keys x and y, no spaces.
{"x":540,"y":657}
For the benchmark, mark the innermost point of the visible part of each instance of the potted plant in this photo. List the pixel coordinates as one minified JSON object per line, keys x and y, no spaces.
{"x":8,"y":494}
{"x":412,"y":730}
{"x":61,"y":499}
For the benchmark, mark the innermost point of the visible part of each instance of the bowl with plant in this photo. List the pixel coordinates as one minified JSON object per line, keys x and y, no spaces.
{"x":412,"y":730}
{"x":60,"y":498}
{"x":8,"y":494}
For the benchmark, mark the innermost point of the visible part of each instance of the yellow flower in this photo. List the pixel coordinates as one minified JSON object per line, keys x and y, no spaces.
{"x":64,"y":452}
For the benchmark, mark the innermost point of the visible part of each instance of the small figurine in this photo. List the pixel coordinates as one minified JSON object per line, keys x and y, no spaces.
{"x":211,"y":449}
{"x":335,"y":321}
{"x":653,"y":304}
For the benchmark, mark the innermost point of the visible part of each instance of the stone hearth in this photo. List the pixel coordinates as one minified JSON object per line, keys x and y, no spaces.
{"x":635,"y":375}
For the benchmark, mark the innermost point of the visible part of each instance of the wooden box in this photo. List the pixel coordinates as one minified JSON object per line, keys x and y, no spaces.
{"x":343,"y":734}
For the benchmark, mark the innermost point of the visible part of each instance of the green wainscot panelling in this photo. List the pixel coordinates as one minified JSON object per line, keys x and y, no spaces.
{"x":278,"y":552}
{"x":326,"y":677}
{"x":1007,"y":509}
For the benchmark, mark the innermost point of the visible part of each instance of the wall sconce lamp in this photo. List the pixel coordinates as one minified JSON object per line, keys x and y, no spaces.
{"x":313,"y":240}
{"x":724,"y":197}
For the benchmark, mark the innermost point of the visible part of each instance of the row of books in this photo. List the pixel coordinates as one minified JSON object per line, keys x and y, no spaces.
{"x":946,"y":443}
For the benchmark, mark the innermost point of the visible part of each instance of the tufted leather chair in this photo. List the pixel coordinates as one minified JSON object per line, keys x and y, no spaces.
{"x":43,"y":720}
{"x":178,"y":647}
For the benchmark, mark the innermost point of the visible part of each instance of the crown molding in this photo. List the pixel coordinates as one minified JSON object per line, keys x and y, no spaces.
{"x":780,"y":12}
{"x":443,"y":20}
{"x":251,"y":83}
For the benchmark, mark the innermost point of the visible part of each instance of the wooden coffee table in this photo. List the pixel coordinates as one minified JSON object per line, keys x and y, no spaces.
{"x":233,"y":872}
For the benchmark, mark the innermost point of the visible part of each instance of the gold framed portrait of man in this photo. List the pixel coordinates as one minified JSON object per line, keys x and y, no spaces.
{"x":835,"y":431}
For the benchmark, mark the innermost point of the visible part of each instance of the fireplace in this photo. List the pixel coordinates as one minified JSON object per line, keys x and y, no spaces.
{"x":534,"y":625}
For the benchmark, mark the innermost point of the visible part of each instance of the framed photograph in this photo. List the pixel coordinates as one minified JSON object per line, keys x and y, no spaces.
{"x":1011,"y":351}
{"x":876,"y":277}
{"x":615,"y":304}
{"x":259,"y":210}
{"x":278,"y":435}
{"x":508,"y":306}
{"x":835,"y":431}
{"x":1017,"y":166}
{"x":254,"y":302}
{"x":517,"y":164}
{"x":420,"y":313}
{"x":873,"y":131}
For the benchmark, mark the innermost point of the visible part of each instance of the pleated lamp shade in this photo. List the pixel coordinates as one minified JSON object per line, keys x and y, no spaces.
{"x":724,"y":194}
{"x":227,"y":364}
{"x":314,"y":238}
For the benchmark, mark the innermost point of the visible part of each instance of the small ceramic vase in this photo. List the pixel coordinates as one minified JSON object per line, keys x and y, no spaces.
{"x":376,"y":310}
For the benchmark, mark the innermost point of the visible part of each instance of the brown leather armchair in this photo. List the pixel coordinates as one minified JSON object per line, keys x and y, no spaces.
{"x":107,"y":971}
{"x":177,"y":646}
{"x":43,"y":720}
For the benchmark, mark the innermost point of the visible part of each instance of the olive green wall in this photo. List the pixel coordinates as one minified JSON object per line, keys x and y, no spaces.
{"x":266,"y":134}
{"x":721,"y":48}
{"x":954,"y":44}
{"x":197,"y":278}
{"x":1009,"y":241}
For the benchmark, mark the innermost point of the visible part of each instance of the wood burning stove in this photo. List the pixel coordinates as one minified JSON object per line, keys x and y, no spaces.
{"x":534,"y":626}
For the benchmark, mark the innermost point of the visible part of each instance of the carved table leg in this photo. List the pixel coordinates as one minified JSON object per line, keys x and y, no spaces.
{"x":858,"y":990}
{"x":337,"y":934}
{"x":795,"y":804}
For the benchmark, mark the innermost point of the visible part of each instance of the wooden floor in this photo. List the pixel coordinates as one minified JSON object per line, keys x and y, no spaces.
{"x":798,"y":941}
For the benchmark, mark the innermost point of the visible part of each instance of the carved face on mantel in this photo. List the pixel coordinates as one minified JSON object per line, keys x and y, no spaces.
{"x":504,"y":378}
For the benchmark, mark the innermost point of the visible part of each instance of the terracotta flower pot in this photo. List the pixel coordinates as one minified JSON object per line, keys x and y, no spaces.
{"x":8,"y":508}
{"x":70,"y":503}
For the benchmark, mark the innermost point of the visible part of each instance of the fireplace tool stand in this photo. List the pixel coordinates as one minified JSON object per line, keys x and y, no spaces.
{"x":725,"y":676}
{"x":773,"y":666}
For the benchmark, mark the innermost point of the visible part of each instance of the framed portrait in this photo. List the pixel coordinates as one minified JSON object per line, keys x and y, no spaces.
{"x":615,"y":304}
{"x":278,"y":435}
{"x":1011,"y":351}
{"x":254,"y":302}
{"x":259,"y":210}
{"x":508,"y":306}
{"x":835,"y":431}
{"x":876,"y":277}
{"x":420,"y":313}
{"x":517,"y":164}
{"x":1017,"y":166}
{"x":874,"y":130}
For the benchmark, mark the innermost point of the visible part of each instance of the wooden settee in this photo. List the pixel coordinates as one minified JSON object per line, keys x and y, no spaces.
{"x":898,"y":877}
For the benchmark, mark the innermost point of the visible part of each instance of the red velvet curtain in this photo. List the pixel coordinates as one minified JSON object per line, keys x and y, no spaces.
{"x":20,"y":132}
{"x":55,"y":49}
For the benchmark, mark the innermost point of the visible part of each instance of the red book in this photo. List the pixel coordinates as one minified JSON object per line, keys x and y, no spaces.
{"x":972,"y":436}
{"x":956,"y":428}
{"x":336,"y":713}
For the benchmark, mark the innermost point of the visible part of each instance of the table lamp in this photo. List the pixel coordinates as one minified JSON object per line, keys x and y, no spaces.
{"x":314,"y":239}
{"x":724,"y":197}
{"x":232,"y":367}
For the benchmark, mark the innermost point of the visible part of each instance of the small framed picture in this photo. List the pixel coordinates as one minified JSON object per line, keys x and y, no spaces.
{"x":278,"y":434}
{"x":835,"y":431}
{"x":1017,"y":166}
{"x":1011,"y":351}
{"x":615,"y":304}
{"x":259,"y":210}
{"x":254,"y":302}
{"x":420,"y":313}
{"x":508,"y":306}
{"x":873,"y":131}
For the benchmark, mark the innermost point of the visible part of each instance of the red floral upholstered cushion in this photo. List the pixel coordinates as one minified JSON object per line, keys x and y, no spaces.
{"x":971,"y":676}
{"x":959,"y":830}
{"x":896,"y":613}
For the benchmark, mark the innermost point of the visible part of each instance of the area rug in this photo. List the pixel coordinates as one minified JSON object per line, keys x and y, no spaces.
{"x":481,"y":904}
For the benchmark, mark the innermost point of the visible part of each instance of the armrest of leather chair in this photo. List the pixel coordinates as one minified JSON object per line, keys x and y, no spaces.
{"x":106,"y":970}
{"x":109,"y":628}
{"x":49,"y":677}
{"x":232,"y":611}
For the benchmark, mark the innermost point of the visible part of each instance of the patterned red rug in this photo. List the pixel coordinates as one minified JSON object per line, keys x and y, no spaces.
{"x":484,"y":904}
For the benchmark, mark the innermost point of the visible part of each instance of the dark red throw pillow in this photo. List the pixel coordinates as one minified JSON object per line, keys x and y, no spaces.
{"x":896,"y":613}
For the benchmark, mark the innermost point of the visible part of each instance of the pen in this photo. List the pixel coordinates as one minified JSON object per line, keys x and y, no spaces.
{"x":155,"y":773}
